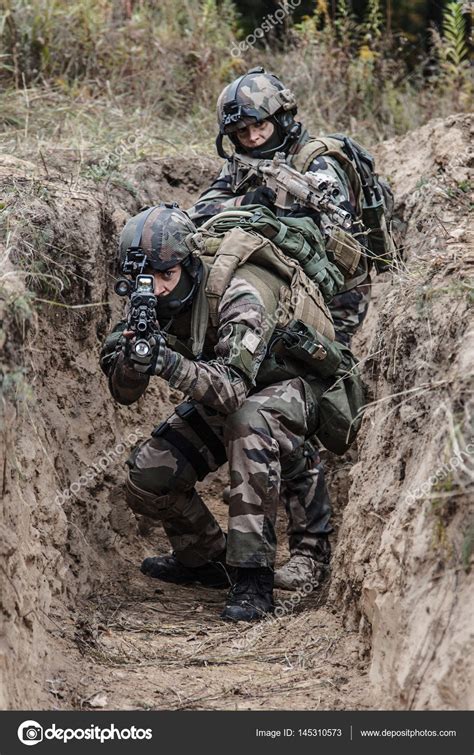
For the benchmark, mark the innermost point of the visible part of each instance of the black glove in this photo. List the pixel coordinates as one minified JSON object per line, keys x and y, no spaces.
{"x":154,"y":361}
{"x":112,"y":346}
{"x":262,"y":195}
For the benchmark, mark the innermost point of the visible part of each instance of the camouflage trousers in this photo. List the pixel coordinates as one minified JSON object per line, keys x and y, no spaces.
{"x":349,"y":310}
{"x":264,"y":442}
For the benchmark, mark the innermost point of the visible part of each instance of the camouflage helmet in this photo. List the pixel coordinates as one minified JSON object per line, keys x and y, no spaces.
{"x":253,"y":97}
{"x":156,"y":238}
{"x":257,"y":96}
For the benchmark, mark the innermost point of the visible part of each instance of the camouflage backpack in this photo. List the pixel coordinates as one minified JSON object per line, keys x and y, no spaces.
{"x":373,"y":195}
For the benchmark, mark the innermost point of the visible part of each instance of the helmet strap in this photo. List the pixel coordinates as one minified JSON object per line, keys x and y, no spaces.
{"x":137,"y":239}
{"x":220,"y":147}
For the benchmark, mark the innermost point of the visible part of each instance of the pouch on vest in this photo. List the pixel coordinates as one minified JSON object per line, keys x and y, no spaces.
{"x":304,"y":344}
{"x":341,"y":406}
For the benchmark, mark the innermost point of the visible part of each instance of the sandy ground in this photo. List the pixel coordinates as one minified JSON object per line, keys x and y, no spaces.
{"x":137,"y":643}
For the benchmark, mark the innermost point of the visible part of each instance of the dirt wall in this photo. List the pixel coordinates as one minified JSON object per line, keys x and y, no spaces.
{"x":402,"y":567}
{"x":64,"y":442}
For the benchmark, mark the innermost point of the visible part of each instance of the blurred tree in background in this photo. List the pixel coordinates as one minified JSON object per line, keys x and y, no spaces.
{"x":411,"y":17}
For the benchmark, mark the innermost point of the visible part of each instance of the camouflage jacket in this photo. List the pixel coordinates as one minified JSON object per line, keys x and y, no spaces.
{"x":229,"y":364}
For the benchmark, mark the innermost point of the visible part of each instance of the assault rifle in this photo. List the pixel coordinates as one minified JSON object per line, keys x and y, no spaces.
{"x":308,"y":189}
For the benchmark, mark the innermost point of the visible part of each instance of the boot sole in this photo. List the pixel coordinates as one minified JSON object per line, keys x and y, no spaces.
{"x":186,"y":582}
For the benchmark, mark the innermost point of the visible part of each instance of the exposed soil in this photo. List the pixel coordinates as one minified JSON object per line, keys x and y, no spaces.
{"x":146,"y":644}
{"x":81,"y":627}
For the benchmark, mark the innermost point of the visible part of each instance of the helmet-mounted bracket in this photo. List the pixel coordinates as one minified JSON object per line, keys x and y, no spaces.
{"x":287,"y":99}
{"x":135,"y":258}
{"x":232,"y":114}
{"x":134,"y":263}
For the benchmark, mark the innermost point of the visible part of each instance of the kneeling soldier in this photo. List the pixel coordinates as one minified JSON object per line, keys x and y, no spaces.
{"x":225,"y":305}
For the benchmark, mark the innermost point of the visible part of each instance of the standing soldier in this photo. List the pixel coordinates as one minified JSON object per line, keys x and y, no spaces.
{"x":257,"y":114}
{"x":225,"y":304}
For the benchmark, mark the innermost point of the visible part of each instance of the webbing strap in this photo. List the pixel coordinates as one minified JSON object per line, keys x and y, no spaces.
{"x":281,"y":234}
{"x":319,"y":268}
{"x":186,"y":449}
{"x":137,"y":238}
{"x":190,"y":414}
{"x":308,"y":152}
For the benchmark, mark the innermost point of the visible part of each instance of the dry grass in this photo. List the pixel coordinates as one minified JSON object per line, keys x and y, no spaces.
{"x":86,"y":75}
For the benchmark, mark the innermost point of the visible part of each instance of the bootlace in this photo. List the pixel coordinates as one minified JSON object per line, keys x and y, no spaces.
{"x":295,"y":564}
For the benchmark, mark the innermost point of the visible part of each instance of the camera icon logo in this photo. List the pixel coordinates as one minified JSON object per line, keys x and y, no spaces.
{"x":30,"y":732}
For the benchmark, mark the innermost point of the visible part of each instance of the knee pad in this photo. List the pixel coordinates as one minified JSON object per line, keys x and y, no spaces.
{"x":156,"y":480}
{"x":148,"y":504}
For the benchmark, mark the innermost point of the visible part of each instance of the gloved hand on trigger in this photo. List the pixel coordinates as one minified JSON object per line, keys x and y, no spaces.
{"x":261,"y":195}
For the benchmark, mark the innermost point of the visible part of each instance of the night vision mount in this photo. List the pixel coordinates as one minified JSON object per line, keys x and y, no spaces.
{"x":134,"y":263}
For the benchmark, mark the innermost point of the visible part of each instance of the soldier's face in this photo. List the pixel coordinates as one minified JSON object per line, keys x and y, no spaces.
{"x":166,"y":281}
{"x":255,"y":134}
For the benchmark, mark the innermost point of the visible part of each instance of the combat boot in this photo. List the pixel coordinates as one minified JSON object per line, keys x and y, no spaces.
{"x":169,"y":569}
{"x":251,"y":597}
{"x":299,"y":571}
